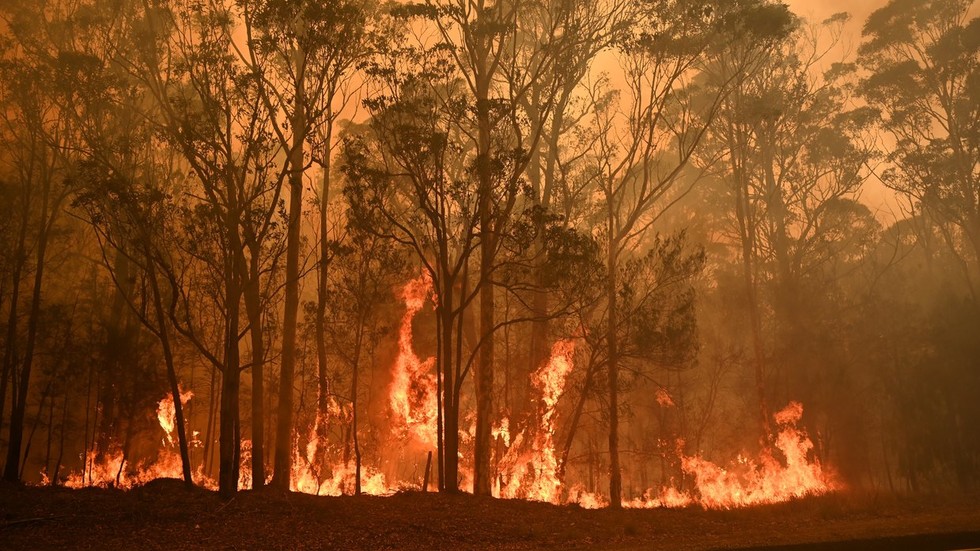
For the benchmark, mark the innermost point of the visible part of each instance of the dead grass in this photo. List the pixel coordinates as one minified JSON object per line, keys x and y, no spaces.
{"x":165,"y":515}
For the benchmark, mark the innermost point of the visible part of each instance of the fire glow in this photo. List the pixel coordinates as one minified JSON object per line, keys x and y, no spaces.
{"x":412,"y":395}
{"x":529,"y":466}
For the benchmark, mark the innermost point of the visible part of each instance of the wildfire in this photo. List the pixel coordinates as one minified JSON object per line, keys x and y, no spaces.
{"x":167,"y":414}
{"x":412,"y":395}
{"x":111,"y":468}
{"x":752,"y":482}
{"x":529,"y":469}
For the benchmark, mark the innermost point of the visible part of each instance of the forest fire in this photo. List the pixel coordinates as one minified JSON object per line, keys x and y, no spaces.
{"x":529,"y":469}
{"x":111,"y":468}
{"x":586,"y":254}
{"x":746,"y":482}
{"x":412,"y":396}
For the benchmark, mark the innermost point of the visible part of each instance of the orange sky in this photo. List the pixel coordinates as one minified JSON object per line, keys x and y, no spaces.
{"x":881,"y":200}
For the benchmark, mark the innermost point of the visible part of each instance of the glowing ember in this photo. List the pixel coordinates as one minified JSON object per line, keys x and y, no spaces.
{"x":412,"y":396}
{"x":529,"y":470}
{"x":664,"y":399}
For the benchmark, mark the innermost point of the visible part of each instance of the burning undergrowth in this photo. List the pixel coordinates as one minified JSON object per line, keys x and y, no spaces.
{"x":527,"y":462}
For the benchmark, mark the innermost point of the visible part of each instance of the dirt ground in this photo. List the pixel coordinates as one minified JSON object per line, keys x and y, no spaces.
{"x":165,"y":515}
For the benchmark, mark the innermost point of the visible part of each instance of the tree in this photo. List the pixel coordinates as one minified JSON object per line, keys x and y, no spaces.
{"x":924,"y":78}
{"x":407,"y":181}
{"x":304,"y":54}
{"x":644,"y":149}
{"x":209,"y":109}
{"x":790,"y":177}
{"x":35,"y":131}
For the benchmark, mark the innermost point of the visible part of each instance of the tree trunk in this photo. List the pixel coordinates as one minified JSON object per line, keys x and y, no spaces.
{"x":284,"y":422}
{"x":12,"y":467}
{"x":746,"y":229}
{"x":355,"y":362}
{"x":450,"y":418}
{"x":253,"y":308}
{"x":615,"y":476}
{"x":229,"y":429}
{"x":484,"y":372}
{"x":168,"y":357}
{"x":323,"y":407}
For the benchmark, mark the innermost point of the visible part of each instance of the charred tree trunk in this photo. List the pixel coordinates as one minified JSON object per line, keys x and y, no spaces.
{"x":229,"y":441}
{"x":10,"y":344}
{"x":11,"y":470}
{"x":284,"y":421}
{"x":484,"y":372}
{"x":321,"y":290}
{"x":355,"y":362}
{"x":449,"y":454}
{"x":612,"y":342}
{"x":168,"y":357}
{"x":253,"y":308}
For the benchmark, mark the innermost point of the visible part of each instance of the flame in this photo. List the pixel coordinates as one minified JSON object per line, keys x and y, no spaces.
{"x":112,"y":469}
{"x":533,"y":473}
{"x":412,"y":395}
{"x":529,"y":467}
{"x":585,"y":499}
{"x":752,"y":482}
{"x":167,"y":414}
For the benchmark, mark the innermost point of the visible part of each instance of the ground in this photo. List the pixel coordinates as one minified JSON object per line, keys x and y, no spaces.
{"x":165,"y":515}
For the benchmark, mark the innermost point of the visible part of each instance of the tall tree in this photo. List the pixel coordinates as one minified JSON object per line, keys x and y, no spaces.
{"x":304,"y":54}
{"x":35,"y":132}
{"x":923,"y":57}
{"x":643,"y":150}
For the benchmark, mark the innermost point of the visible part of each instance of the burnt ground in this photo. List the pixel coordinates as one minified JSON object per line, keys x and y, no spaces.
{"x":165,"y":515}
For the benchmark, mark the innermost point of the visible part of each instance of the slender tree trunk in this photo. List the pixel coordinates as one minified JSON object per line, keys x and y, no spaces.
{"x":612,"y":341}
{"x":450,"y":417}
{"x":323,"y":406}
{"x":746,"y":228}
{"x":168,"y":357}
{"x":356,"y":360}
{"x":229,"y":437}
{"x":12,"y":467}
{"x":10,"y":348}
{"x":484,"y":372}
{"x":574,"y":423}
{"x":61,"y":441}
{"x":50,"y":431}
{"x":284,"y":422}
{"x":208,"y":451}
{"x":253,"y":308}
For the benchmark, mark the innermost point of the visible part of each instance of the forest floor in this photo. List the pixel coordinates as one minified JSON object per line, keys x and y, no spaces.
{"x":165,"y":515}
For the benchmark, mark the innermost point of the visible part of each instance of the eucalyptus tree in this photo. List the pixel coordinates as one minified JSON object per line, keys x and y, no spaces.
{"x":795,"y":156}
{"x":548,"y":91}
{"x":208,"y":107}
{"x":33,"y":136}
{"x":304,"y":55}
{"x":923,"y":60}
{"x":504,"y":53}
{"x":645,"y":142}
{"x":407,"y":182}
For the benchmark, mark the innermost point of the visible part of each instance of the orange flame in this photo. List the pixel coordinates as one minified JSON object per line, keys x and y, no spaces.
{"x":752,"y":482}
{"x":412,"y":395}
{"x":111,"y":469}
{"x":533,"y":473}
{"x":167,"y":414}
